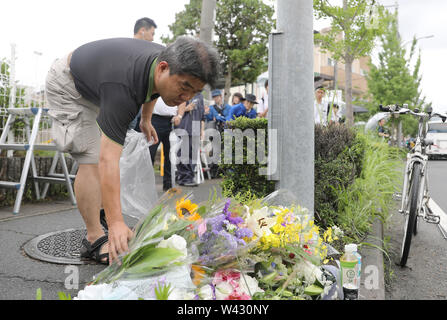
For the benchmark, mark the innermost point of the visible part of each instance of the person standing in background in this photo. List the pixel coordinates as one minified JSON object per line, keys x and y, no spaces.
{"x":237,"y":98}
{"x":163,"y":118}
{"x":192,"y":123}
{"x":244,"y":109}
{"x":320,"y":106}
{"x":263,"y":106}
{"x":144,"y":29}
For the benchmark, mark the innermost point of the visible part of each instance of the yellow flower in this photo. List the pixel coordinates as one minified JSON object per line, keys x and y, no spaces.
{"x":198,"y":274}
{"x":187,"y":210}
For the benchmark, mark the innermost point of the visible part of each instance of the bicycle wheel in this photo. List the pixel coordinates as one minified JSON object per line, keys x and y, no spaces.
{"x":411,"y":217}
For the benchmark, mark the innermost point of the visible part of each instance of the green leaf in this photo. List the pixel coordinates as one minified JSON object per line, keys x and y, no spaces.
{"x":64,"y":296}
{"x":202,"y":210}
{"x":153,"y":258}
{"x":39,"y":294}
{"x":313,"y":290}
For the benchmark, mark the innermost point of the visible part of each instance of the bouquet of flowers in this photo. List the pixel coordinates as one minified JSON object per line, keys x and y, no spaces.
{"x":265,"y":249}
{"x":158,"y":253}
{"x":277,"y":249}
{"x":221,"y":237}
{"x":291,"y":253}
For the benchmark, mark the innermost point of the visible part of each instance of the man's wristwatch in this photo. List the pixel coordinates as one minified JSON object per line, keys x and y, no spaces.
{"x":179,"y":116}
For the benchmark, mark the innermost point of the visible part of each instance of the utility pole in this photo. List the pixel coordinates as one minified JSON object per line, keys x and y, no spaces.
{"x":291,"y":114}
{"x":206,"y":29}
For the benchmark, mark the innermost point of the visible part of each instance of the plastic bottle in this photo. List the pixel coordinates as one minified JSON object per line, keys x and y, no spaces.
{"x":349,"y":272}
{"x":359,"y":265}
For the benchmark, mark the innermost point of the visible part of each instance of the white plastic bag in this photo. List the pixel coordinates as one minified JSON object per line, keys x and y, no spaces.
{"x":137,"y":179}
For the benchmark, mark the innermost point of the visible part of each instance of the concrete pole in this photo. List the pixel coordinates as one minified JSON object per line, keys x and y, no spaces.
{"x":206,"y":29}
{"x":291,"y":81}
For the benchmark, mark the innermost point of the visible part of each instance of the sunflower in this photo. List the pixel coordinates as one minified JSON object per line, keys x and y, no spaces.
{"x":187,"y":210}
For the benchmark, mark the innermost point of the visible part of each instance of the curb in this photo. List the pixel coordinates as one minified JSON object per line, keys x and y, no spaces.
{"x":372,"y":282}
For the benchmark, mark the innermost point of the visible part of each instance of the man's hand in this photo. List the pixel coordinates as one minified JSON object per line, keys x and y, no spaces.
{"x":147,"y":128}
{"x":190,"y":107}
{"x":176,"y":120}
{"x":119,"y":236}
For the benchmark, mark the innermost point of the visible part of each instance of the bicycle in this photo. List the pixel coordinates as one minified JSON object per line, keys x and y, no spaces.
{"x":415,"y":194}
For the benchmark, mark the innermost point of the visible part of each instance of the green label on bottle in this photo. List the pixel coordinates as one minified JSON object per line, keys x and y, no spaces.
{"x":349,"y":273}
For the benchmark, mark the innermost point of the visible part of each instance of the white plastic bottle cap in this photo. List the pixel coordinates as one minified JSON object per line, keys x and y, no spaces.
{"x":352,"y":247}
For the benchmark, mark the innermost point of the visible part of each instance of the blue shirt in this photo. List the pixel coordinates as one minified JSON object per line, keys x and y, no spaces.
{"x":240,"y":111}
{"x":214,"y":114}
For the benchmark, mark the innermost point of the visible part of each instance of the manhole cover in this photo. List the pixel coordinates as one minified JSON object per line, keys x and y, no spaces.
{"x":57,"y":247}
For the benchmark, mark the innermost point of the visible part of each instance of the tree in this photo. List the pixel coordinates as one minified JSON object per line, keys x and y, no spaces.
{"x":392,"y":81}
{"x":241,"y":32}
{"x":5,"y":88}
{"x":354,"y":27}
{"x":187,"y":22}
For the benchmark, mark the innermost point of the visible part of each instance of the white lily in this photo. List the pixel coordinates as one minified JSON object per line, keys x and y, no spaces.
{"x":260,"y":222}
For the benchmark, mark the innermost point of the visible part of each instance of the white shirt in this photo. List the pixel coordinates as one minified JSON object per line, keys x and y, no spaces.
{"x":162,"y":109}
{"x":320,"y":110}
{"x":263,"y":103}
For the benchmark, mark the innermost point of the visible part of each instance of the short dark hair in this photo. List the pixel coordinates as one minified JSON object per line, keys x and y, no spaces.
{"x":193,"y":57}
{"x":239,"y":95}
{"x":145,"y":23}
{"x":266,"y":83}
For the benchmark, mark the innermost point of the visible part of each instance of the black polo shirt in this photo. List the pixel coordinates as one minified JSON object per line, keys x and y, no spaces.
{"x":116,"y":75}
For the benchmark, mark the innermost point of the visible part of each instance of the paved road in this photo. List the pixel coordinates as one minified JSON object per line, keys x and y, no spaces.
{"x":425,"y":276}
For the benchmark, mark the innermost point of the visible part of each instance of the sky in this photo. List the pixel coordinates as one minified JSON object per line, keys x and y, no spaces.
{"x":44,"y":30}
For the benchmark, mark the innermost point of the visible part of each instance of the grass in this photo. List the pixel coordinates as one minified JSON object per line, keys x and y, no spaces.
{"x":370,"y":195}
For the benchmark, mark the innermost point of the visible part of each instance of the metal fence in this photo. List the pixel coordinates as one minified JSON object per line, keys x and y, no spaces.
{"x":13,"y":94}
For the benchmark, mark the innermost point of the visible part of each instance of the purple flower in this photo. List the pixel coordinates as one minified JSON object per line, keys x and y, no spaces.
{"x":234,"y":220}
{"x":244,"y":233}
{"x":227,"y":206}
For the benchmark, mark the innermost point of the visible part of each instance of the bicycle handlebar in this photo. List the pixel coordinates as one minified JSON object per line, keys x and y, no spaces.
{"x":396,"y":109}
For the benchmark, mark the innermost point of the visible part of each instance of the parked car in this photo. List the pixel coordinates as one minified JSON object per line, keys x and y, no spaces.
{"x":437,"y":131}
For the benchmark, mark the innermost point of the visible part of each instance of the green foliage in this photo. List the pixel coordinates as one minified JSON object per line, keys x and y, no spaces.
{"x":354,"y":22}
{"x":61,"y":295}
{"x":392,"y":81}
{"x":242,"y":29}
{"x":370,"y":195}
{"x":244,"y":179}
{"x":187,"y":22}
{"x":355,"y":178}
{"x":5,"y":88}
{"x":338,"y":162}
{"x":354,"y":28}
{"x":39,"y":294}
{"x":162,"y":291}
{"x":241,"y":32}
{"x":64,"y":296}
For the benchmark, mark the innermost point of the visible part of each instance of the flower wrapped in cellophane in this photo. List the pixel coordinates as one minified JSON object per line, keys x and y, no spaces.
{"x":266,"y":248}
{"x":222,"y":236}
{"x":158,"y":253}
{"x":291,"y":251}
{"x":272,"y":243}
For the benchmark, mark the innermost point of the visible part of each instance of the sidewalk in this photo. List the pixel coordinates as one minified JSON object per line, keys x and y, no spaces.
{"x":21,"y":276}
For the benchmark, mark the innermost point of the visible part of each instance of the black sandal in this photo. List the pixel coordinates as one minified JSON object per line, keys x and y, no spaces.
{"x":102,"y":219}
{"x":91,"y":251}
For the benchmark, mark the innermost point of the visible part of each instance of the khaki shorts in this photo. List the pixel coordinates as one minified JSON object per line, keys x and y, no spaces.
{"x":74,"y":128}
